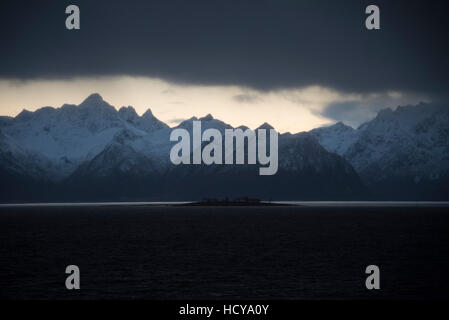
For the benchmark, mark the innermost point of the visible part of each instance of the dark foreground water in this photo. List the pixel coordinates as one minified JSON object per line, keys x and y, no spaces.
{"x":162,"y":252}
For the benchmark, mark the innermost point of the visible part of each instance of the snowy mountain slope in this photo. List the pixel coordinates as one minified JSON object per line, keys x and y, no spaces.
{"x":68,"y":136}
{"x":207,"y":122}
{"x":302,"y":151}
{"x":129,"y":153}
{"x":147,"y":122}
{"x":116,"y":158}
{"x":5,"y":120}
{"x":15,"y":159}
{"x":409,"y":143}
{"x":336,"y":138}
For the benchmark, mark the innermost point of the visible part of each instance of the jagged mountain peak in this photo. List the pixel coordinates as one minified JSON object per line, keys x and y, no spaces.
{"x":24,"y":115}
{"x":335,"y":138}
{"x":43,"y":114}
{"x":194,"y":118}
{"x":341,"y":126}
{"x":128,"y":109}
{"x":266,"y":126}
{"x":207,"y":117}
{"x":128,"y":113}
{"x":148,"y":114}
{"x":95,"y":102}
{"x":385,"y":112}
{"x":207,"y":122}
{"x":94,"y":98}
{"x":149,"y":122}
{"x":187,"y":123}
{"x":242,"y":127}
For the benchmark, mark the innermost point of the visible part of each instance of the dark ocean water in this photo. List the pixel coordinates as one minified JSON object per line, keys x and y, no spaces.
{"x":163,"y":252}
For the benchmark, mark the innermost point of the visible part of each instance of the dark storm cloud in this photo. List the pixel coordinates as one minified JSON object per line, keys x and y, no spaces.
{"x":246,"y":98}
{"x":352,"y":113}
{"x":357,"y":112}
{"x":260,"y":44}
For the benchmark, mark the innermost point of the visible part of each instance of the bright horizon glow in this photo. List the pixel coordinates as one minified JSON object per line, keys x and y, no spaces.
{"x":287,"y":110}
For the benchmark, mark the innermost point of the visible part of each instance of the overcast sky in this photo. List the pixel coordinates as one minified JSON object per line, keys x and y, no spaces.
{"x":296,"y":64}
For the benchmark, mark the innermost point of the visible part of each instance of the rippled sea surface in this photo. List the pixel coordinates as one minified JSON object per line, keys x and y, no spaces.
{"x":181,"y":252}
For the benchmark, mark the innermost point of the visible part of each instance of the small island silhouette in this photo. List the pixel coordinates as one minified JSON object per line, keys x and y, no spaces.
{"x":242,"y":201}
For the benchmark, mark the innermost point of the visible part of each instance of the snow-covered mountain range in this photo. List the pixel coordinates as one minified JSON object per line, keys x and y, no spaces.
{"x":405,"y":151}
{"x":94,"y":152}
